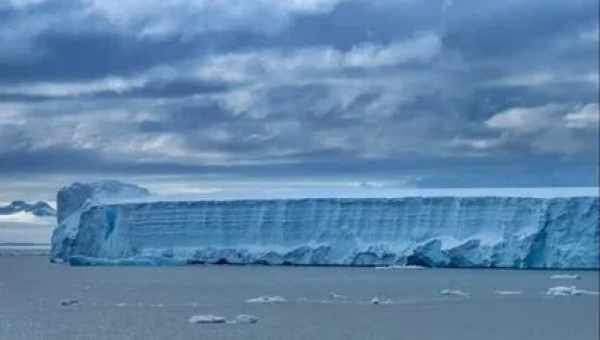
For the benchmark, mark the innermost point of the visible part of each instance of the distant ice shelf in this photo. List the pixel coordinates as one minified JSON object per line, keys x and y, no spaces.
{"x":116,"y":223}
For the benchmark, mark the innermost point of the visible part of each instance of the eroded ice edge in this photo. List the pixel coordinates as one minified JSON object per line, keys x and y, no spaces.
{"x":116,"y":223}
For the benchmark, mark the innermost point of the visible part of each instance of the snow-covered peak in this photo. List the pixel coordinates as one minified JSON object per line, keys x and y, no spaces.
{"x":39,"y":209}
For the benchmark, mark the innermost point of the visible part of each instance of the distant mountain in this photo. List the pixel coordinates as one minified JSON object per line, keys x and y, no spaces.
{"x":40,"y":209}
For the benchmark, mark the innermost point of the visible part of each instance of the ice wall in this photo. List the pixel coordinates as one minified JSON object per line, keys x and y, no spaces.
{"x":73,"y":200}
{"x":435,"y":231}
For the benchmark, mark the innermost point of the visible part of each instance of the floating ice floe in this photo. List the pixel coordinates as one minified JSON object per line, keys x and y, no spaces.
{"x":69,"y":302}
{"x":246,"y":319}
{"x":569,"y":291}
{"x":209,"y":318}
{"x":565,"y":277}
{"x":507,"y":292}
{"x":336,"y":296}
{"x":379,"y":301}
{"x":400,"y":267}
{"x":454,"y":292}
{"x":267,"y":299}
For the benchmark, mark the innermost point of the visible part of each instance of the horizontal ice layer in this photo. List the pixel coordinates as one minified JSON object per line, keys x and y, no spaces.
{"x":436,"y":231}
{"x":71,"y":201}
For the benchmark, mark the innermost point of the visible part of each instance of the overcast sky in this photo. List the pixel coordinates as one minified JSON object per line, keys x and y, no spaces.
{"x":205,"y":96}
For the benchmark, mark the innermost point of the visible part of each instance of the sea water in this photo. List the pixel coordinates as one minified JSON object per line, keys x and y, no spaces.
{"x":40,"y":300}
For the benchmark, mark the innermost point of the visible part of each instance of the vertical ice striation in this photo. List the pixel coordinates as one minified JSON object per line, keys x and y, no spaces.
{"x":71,"y":201}
{"x":515,"y":232}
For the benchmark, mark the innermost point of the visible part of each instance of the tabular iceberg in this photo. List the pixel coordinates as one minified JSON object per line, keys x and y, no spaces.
{"x":515,"y":232}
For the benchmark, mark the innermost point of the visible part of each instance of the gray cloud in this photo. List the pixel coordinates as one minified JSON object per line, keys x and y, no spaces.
{"x":419,"y":93}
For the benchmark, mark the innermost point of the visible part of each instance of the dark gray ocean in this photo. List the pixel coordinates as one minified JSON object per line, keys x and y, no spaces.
{"x":156,"y":303}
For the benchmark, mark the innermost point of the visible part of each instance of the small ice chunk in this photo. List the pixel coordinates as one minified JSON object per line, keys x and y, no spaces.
{"x":378,"y":301}
{"x":121,"y":304}
{"x":563,"y":291}
{"x":209,"y":318}
{"x":455,"y":292}
{"x":507,"y":292}
{"x":69,"y":302}
{"x":565,"y":277}
{"x":267,"y":299}
{"x":246,"y":319}
{"x":336,"y":296}
{"x":569,"y":291}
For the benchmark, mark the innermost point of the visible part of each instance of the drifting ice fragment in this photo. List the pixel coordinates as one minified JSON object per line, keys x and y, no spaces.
{"x":507,"y":292}
{"x":569,"y":291}
{"x":69,"y":302}
{"x":336,"y":296}
{"x":246,"y":319}
{"x":202,"y":319}
{"x":565,"y":277}
{"x":267,"y":299}
{"x":377,"y":301}
{"x":563,"y":291}
{"x":454,"y":292}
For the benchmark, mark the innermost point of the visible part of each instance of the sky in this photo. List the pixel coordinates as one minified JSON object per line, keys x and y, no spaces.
{"x":212,"y":96}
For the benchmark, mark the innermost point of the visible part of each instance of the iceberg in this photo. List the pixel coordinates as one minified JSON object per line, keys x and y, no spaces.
{"x":38,"y":209}
{"x":116,"y":223}
{"x":72,"y":201}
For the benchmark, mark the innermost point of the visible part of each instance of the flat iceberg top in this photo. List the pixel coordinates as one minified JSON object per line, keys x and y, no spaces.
{"x":162,"y":200}
{"x":78,"y":196}
{"x":350,"y":193}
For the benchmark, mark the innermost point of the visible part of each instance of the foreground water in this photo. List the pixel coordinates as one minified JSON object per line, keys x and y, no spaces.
{"x":156,"y":303}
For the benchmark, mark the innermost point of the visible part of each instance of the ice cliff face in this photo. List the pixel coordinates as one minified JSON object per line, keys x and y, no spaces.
{"x":72,"y":201}
{"x":436,"y":231}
